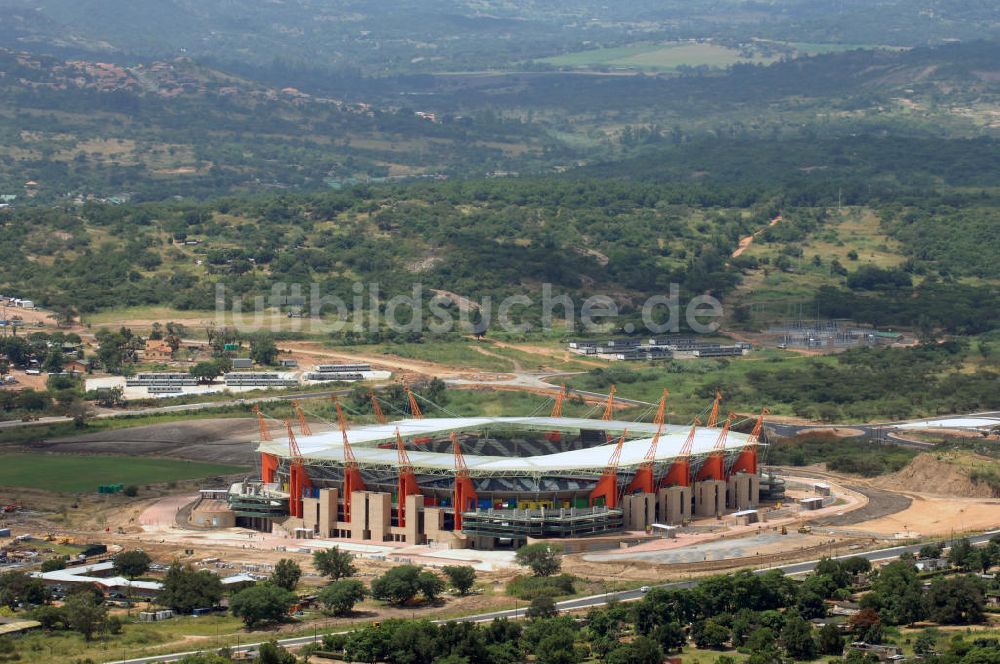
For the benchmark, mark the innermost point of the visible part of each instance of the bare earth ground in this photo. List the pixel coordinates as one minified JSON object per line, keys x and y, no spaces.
{"x":223,"y":440}
{"x":930,"y":516}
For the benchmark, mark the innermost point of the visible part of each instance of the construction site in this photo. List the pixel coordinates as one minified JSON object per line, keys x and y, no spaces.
{"x":498,"y":482}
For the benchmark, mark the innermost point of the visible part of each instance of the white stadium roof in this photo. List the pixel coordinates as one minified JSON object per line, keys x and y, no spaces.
{"x":328,"y":447}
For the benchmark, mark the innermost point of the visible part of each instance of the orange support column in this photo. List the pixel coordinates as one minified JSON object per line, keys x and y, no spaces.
{"x":679,"y":473}
{"x":465,"y":499}
{"x":268,"y":466}
{"x":712,"y":469}
{"x":298,"y":482}
{"x":607,"y":486}
{"x":606,"y":492}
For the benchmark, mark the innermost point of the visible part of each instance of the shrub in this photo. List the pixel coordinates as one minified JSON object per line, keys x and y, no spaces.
{"x":530,"y":587}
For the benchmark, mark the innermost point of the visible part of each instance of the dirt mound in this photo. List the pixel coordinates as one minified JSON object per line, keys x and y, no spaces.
{"x":945,"y":475}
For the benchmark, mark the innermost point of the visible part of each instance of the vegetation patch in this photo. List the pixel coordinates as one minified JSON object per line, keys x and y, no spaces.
{"x":71,"y":474}
{"x":841,"y":455}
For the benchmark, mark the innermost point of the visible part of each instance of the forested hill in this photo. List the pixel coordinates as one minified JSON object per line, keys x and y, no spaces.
{"x":459,"y":35}
{"x":818,"y":170}
{"x":932,"y":260}
{"x":177,"y":128}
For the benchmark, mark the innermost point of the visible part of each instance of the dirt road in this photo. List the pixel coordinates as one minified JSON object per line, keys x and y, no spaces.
{"x":748,"y":240}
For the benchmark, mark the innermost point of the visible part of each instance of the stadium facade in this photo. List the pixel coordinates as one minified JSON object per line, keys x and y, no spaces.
{"x":496,"y":482}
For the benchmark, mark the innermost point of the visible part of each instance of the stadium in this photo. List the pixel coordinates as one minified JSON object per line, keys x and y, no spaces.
{"x":493,"y":482}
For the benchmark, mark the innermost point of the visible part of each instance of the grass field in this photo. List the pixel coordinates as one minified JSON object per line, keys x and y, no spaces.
{"x":854,"y":230}
{"x":71,"y":474}
{"x":668,"y":56}
{"x":662,"y":57}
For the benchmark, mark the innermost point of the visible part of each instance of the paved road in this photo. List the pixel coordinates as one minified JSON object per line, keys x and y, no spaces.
{"x":180,"y":408}
{"x":592,"y":601}
{"x":885,"y":432}
{"x":873,"y":432}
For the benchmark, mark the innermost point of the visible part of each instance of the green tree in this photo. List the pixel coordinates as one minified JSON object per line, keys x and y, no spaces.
{"x":926,"y":642}
{"x":132,"y":563}
{"x":286,"y":574}
{"x":897,"y":594}
{"x":553,"y":641}
{"x":709,"y":634}
{"x":415,"y":642}
{"x":111,"y":397}
{"x":402,"y":583}
{"x":185,"y":589}
{"x":542,"y":607}
{"x":334,"y":563}
{"x":641,"y":650}
{"x":17,"y":588}
{"x":542,"y":558}
{"x":84,"y":614}
{"x":838,"y":576}
{"x":829,"y":640}
{"x":340,"y":596}
{"x":462,"y":577}
{"x":431,"y":585}
{"x":961,"y":554}
{"x":204,"y":659}
{"x":51,"y":617}
{"x":761,"y":639}
{"x":272,"y":653}
{"x":261,"y":604}
{"x":208,"y":371}
{"x":370,"y":644}
{"x":670,"y":636}
{"x":53,"y":564}
{"x":956,"y":600}
{"x":797,"y":638}
{"x":263,"y":350}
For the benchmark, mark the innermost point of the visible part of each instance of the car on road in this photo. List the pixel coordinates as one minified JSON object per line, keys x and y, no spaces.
{"x":644,"y":589}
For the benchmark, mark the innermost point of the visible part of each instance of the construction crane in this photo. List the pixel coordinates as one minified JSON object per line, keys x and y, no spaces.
{"x":265,"y":433}
{"x":298,"y":480}
{"x":609,"y":407}
{"x":554,"y":436}
{"x":713,"y":417}
{"x":407,"y":479}
{"x":680,"y":470}
{"x":714,"y":466}
{"x":746,"y":462}
{"x":607,"y":486}
{"x":643,"y":481}
{"x":303,"y":425}
{"x":376,"y":408}
{"x":352,"y":474}
{"x":414,"y":406}
{"x":465,"y":492}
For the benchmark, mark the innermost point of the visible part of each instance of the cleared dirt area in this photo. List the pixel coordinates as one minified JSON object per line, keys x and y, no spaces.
{"x":223,"y":440}
{"x":390,"y":362}
{"x":933,"y":516}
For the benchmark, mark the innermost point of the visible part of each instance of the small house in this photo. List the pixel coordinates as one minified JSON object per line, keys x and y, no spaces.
{"x":78,"y":366}
{"x":157,"y":351}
